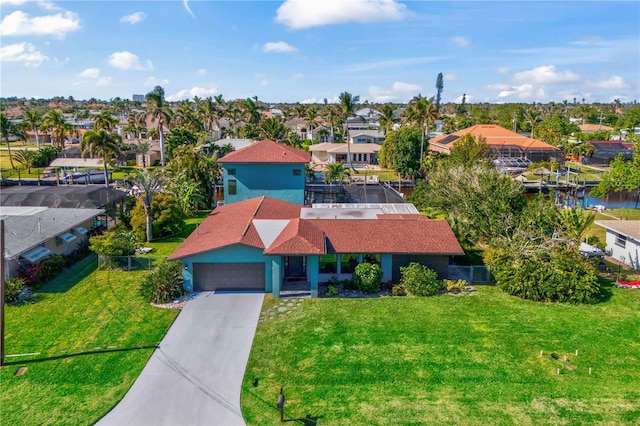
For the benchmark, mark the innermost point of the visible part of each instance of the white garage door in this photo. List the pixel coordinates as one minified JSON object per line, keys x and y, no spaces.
{"x":228,"y":276}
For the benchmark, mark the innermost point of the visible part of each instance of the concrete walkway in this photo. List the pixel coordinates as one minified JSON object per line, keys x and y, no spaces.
{"x":195,"y":375}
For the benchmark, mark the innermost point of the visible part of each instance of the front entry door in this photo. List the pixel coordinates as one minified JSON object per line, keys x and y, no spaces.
{"x":295,"y":266}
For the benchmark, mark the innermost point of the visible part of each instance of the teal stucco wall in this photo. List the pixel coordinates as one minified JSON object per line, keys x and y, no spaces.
{"x":235,"y":253}
{"x":273,"y":180}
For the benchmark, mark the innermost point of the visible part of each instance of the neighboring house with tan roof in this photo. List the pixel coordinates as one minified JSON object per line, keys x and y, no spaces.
{"x":623,"y":240}
{"x":590,"y":128}
{"x":265,"y":168}
{"x":258,"y":244}
{"x":366,"y":153}
{"x":502,"y":143}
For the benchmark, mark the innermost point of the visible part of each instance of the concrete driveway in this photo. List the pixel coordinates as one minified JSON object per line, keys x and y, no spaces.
{"x":195,"y":375}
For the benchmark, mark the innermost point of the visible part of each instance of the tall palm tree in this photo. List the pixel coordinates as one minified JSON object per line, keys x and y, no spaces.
{"x":347,"y":104}
{"x":102,"y":144}
{"x":59,"y":128}
{"x":532,"y":116}
{"x":32,"y":121}
{"x":149,"y":184}
{"x":208,"y":113}
{"x":272,"y":128}
{"x":252,"y":111}
{"x":311,"y":119}
{"x":386,"y":120}
{"x":9,"y":129}
{"x":104,"y":121}
{"x":159,"y":111}
{"x":422,"y":112}
{"x":333,"y":116}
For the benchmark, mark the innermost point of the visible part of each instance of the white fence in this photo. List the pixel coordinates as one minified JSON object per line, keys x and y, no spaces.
{"x":477,"y":274}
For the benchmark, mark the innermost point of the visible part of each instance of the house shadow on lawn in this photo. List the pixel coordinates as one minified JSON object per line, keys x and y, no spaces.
{"x":69,"y":277}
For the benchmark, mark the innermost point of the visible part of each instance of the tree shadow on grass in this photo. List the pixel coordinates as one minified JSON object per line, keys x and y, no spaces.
{"x":606,"y":286}
{"x":77,"y":354}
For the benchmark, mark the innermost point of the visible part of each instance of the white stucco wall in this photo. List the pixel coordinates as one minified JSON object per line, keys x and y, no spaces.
{"x":629,"y":254}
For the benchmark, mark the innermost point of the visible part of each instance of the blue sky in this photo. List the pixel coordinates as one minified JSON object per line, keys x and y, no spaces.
{"x":309,"y":50}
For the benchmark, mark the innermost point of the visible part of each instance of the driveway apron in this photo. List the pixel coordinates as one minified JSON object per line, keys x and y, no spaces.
{"x":195,"y":375}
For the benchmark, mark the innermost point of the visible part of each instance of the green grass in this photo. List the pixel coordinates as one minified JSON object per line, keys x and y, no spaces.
{"x":94,"y":334}
{"x":448,"y":360}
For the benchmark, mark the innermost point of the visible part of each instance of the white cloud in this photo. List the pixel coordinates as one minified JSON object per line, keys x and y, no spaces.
{"x":185,"y":3}
{"x":19,"y":23}
{"x":23,"y":52}
{"x":315,"y":100}
{"x":525,"y":91}
{"x":502,"y":70}
{"x":614,"y":82}
{"x":103,"y":81}
{"x":398,"y":92}
{"x":12,"y":2}
{"x":153,"y":82}
{"x":90,"y":73}
{"x":460,"y":41}
{"x":297,"y":14}
{"x":467,"y":99}
{"x":201,"y":92}
{"x":278,"y":47}
{"x":128,"y":61}
{"x":390,"y":63}
{"x":133,"y":18}
{"x":546,"y":74}
{"x":202,"y":71}
{"x":452,"y":77}
{"x":297,"y":76}
{"x":498,"y":86}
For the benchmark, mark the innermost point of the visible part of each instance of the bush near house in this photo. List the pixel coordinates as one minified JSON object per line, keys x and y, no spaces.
{"x":419,"y":280}
{"x":12,"y":289}
{"x":163,"y":284}
{"x":367,"y":277}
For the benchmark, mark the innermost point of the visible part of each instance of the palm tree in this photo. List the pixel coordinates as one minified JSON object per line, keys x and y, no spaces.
{"x":59,"y":128}
{"x":252,"y":111}
{"x":421,"y":112}
{"x":386,"y":120}
{"x":7,"y":130}
{"x":142,"y":147}
{"x":335,"y":171}
{"x":311,"y":119}
{"x":26,"y":158}
{"x":208,"y":112}
{"x":103,"y":144}
{"x":575,"y":223}
{"x":532,"y":116}
{"x":273,"y":129}
{"x":347,"y":106}
{"x":149,"y":184}
{"x":158,"y":110}
{"x":104,"y":121}
{"x":32,"y":121}
{"x":333,"y":115}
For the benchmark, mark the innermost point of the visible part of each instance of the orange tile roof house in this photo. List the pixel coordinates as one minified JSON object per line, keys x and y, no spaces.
{"x":255,"y":244}
{"x":501,"y":142}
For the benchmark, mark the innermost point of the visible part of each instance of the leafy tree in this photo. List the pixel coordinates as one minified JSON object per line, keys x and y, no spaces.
{"x":401,"y":151}
{"x":468,"y":150}
{"x":556,"y":130}
{"x":180,"y":137}
{"x":45,"y":155}
{"x":8,"y":129}
{"x":159,"y":111}
{"x":166,"y":214}
{"x":115,"y":242}
{"x":419,"y":280}
{"x":624,"y":175}
{"x":192,"y":176}
{"x":103,"y":144}
{"x":149,"y":184}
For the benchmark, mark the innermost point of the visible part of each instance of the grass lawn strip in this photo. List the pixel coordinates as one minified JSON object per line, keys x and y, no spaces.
{"x":448,"y":360}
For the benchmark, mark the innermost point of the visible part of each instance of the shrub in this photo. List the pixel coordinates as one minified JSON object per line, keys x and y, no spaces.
{"x":163,"y":284}
{"x":332,"y":290}
{"x":454,"y":285}
{"x":12,"y":289}
{"x":398,"y":290}
{"x":39,"y":273}
{"x":419,"y":280}
{"x":367,"y":277}
{"x":116,"y":242}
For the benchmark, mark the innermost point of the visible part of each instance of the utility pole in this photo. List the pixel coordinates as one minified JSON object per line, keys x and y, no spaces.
{"x":2,"y":289}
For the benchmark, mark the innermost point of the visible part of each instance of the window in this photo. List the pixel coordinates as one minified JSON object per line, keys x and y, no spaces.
{"x":328,"y":264}
{"x":297,"y":172}
{"x":348,"y":263}
{"x":232,"y":187}
{"x":621,"y":241}
{"x":374,"y":259}
{"x":231,"y":172}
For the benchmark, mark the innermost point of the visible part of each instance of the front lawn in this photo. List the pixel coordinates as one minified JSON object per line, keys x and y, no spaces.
{"x":448,"y":360}
{"x":92,"y":333}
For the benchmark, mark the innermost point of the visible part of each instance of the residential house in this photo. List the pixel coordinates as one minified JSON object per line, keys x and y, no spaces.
{"x":261,"y":243}
{"x":591,"y":128}
{"x":605,"y":151}
{"x":363,"y":153}
{"x":264,"y":168}
{"x":36,"y":233}
{"x":623,"y":240}
{"x":501,"y":142}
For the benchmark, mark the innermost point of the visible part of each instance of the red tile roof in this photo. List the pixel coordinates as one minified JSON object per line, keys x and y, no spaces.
{"x":231,"y":224}
{"x":494,"y":135}
{"x":266,"y":151}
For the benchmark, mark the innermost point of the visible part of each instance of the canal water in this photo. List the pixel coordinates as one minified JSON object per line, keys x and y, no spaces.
{"x":615,"y":200}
